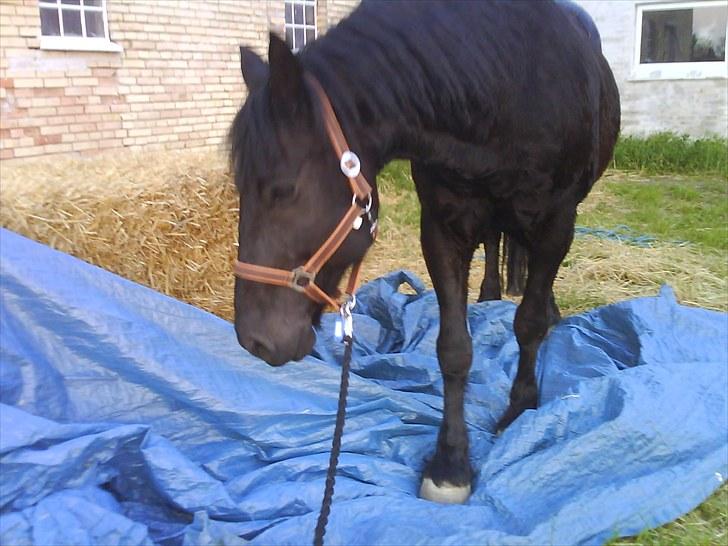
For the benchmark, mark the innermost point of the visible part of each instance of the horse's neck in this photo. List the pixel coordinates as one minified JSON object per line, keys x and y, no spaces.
{"x":386,"y":129}
{"x":384,"y":142}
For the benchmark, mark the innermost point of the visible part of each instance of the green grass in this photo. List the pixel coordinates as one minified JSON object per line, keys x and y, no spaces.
{"x":707,"y":525}
{"x":664,"y":153}
{"x":670,"y":208}
{"x":395,"y":182}
{"x":396,"y":176}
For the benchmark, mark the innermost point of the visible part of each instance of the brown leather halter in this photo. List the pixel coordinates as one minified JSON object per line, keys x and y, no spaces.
{"x":302,"y":279}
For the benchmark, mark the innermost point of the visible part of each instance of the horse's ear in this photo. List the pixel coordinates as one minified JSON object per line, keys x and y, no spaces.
{"x":287,"y":89}
{"x":255,"y":70}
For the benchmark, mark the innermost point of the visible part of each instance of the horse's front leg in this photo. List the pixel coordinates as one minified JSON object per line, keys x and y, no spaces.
{"x":448,"y":474}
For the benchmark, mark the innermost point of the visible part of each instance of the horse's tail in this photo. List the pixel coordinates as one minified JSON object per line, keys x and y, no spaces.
{"x":515,"y":262}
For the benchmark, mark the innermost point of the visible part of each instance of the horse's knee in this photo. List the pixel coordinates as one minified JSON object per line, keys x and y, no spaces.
{"x":455,"y":354}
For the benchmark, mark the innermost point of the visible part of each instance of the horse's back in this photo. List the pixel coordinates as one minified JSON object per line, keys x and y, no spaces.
{"x":583,"y":21}
{"x":473,"y":58}
{"x":524,"y":81}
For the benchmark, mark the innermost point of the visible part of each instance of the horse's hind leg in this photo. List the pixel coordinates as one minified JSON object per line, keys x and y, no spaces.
{"x":554,"y":313}
{"x":490,"y":288}
{"x":537,"y":311}
{"x":447,"y":476}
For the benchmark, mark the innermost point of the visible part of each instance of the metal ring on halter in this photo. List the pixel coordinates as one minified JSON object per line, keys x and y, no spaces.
{"x":301,"y":279}
{"x":350,"y":164}
{"x":367,"y":208}
{"x":347,"y":320}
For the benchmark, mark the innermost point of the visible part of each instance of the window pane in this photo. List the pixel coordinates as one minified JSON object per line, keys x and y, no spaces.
{"x":96,"y":3}
{"x":709,"y":25}
{"x":95,"y":24}
{"x":289,"y":37}
{"x":71,"y":23}
{"x":49,"y":25}
{"x":76,"y":2}
{"x":289,"y":13}
{"x":298,"y":14}
{"x":310,"y":35}
{"x":300,"y":41}
{"x":310,"y":20}
{"x":683,"y":35}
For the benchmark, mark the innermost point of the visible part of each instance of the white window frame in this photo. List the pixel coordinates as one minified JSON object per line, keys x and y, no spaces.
{"x":77,"y":43}
{"x":674,"y":71}
{"x":304,"y":26}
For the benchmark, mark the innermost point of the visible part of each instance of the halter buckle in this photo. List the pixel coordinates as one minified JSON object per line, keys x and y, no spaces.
{"x":301,"y":279}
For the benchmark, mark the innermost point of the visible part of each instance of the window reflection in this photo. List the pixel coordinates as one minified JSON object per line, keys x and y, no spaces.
{"x":684,"y":35}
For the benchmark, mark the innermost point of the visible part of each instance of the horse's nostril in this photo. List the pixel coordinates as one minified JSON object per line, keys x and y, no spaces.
{"x":260,"y":347}
{"x":264,"y":349}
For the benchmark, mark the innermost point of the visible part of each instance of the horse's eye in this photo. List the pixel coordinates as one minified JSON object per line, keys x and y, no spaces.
{"x":281,"y":193}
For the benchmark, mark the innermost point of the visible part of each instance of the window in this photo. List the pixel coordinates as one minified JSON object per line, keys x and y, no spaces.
{"x":300,"y":24}
{"x":681,"y":40}
{"x":75,"y":25}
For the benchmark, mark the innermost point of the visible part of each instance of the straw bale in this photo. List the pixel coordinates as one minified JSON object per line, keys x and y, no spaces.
{"x":165,"y":220}
{"x":168,"y":220}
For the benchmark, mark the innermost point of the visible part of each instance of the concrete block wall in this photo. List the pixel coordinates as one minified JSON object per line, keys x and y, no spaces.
{"x":696,"y":107}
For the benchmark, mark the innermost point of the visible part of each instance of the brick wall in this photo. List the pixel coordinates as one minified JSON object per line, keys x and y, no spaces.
{"x":336,"y":10}
{"x":177,"y":83}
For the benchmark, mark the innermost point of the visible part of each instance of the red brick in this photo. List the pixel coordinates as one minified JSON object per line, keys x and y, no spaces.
{"x":42,"y":140}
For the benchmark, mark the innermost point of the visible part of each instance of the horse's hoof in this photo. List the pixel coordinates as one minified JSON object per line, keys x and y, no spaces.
{"x":445,"y":493}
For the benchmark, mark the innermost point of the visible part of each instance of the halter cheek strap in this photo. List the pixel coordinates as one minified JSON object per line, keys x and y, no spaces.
{"x":302,"y":279}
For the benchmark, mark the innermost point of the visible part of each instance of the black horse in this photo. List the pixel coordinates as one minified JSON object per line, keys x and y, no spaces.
{"x":508,"y":112}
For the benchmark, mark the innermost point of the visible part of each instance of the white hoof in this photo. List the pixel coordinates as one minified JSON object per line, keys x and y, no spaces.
{"x":445,"y":493}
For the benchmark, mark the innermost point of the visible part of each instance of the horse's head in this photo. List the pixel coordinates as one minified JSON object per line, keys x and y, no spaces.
{"x":292,"y":195}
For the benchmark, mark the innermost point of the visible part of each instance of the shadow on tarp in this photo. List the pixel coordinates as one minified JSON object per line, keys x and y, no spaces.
{"x":131,"y":418}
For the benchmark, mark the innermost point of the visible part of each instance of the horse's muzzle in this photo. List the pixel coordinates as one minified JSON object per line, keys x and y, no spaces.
{"x":277,"y":349}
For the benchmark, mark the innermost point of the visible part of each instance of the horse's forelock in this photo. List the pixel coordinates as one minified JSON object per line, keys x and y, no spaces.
{"x":254,"y":145}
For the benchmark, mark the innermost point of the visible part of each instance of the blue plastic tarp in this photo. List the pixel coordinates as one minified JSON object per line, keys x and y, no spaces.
{"x":130,"y":418}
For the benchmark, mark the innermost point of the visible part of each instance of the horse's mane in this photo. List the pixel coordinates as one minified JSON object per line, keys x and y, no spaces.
{"x":442,"y":67}
{"x":420,"y":64}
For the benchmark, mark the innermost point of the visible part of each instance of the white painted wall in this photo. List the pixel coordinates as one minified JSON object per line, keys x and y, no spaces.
{"x":697,"y":107}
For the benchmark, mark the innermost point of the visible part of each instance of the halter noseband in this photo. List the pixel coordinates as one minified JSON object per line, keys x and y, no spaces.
{"x":302,"y":279}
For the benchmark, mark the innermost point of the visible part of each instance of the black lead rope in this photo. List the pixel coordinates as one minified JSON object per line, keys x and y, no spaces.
{"x":323,"y":519}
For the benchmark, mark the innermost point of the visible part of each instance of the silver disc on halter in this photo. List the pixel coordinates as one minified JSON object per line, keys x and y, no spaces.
{"x":350,"y":164}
